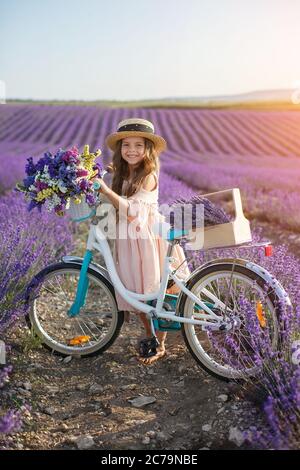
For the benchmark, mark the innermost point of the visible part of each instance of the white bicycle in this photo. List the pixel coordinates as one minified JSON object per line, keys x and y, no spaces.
{"x":73,"y":309}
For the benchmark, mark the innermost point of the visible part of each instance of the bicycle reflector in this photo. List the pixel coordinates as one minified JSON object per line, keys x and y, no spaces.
{"x":268,"y":250}
{"x":79,"y":340}
{"x":260,"y":314}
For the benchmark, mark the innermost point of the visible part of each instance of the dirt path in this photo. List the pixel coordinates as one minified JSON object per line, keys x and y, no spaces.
{"x":90,"y":397}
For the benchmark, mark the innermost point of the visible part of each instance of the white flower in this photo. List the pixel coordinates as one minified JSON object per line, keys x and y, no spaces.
{"x":51,"y":183}
{"x":52,"y":202}
{"x":56,"y":200}
{"x":48,"y":205}
{"x":44,"y":177}
{"x":46,"y":172}
{"x":62,"y":187}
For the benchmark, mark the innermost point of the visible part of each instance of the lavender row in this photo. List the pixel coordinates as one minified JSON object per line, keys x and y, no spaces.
{"x":189,"y":130}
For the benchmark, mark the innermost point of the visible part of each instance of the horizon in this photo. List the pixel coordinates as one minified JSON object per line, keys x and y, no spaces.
{"x":162,"y":98}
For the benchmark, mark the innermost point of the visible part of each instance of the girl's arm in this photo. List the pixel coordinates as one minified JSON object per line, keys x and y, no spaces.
{"x":117,"y":201}
{"x":150,"y":182}
{"x":120,"y":203}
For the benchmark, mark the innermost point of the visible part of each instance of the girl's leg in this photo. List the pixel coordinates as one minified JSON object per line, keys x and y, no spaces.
{"x":126,"y":316}
{"x":171,"y":290}
{"x":174,"y":289}
{"x":146,"y":324}
{"x":161,"y":335}
{"x":160,"y":351}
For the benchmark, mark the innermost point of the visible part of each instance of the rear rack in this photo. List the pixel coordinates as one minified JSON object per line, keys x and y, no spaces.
{"x":242,"y":245}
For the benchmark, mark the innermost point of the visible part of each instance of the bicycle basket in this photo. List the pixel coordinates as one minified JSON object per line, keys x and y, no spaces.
{"x":80,"y":212}
{"x":232,"y":233}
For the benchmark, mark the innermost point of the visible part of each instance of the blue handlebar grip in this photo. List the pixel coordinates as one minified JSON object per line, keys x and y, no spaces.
{"x":96,"y":185}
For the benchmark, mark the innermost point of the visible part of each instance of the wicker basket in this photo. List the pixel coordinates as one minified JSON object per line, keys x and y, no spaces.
{"x":80,"y":212}
{"x":229,"y":234}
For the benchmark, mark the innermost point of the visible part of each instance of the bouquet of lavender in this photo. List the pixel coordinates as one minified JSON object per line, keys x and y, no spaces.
{"x":56,"y":180}
{"x":187,"y":208}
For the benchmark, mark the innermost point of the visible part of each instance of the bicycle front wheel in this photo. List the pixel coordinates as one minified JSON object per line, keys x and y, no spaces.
{"x":90,"y":332}
{"x":233,"y":354}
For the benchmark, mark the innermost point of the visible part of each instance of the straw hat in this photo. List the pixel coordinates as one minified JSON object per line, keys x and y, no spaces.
{"x":139,"y":128}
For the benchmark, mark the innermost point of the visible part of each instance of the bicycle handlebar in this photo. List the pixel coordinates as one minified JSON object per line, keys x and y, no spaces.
{"x":96,"y":184}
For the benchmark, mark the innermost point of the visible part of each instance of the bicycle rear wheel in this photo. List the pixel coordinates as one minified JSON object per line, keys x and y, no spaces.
{"x":89,"y":333}
{"x":233,"y":354}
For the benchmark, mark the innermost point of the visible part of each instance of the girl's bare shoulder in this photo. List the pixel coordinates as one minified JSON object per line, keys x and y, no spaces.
{"x":150,"y":182}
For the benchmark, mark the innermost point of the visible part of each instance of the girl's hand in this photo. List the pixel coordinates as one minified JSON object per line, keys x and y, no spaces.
{"x":103,"y":186}
{"x":117,"y":201}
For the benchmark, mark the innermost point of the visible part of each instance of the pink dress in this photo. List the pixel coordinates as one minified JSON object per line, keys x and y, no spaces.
{"x":139,"y":259}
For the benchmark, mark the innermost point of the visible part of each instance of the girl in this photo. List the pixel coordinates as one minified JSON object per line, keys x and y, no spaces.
{"x":139,"y":256}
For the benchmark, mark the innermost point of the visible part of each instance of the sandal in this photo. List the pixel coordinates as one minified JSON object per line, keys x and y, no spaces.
{"x":147,"y":347}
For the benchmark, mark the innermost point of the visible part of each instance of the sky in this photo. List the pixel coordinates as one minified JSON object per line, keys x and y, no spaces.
{"x":144,"y":49}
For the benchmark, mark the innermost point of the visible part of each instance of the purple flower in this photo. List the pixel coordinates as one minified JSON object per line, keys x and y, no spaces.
{"x":40,"y":185}
{"x":28,"y":181}
{"x":11,"y":422}
{"x":99,"y":167}
{"x":84,"y":184}
{"x":38,"y":249}
{"x":4,"y":374}
{"x":91,"y":199}
{"x":81,"y":172}
{"x":30,"y":167}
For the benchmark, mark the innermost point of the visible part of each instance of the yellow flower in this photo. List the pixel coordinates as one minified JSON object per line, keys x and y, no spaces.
{"x":44,"y":194}
{"x":86,"y":150}
{"x":94,"y":173}
{"x":88,"y":160}
{"x":90,"y":156}
{"x":77,"y":200}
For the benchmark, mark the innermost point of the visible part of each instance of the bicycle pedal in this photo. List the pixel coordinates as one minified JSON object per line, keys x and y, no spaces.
{"x":148,"y":347}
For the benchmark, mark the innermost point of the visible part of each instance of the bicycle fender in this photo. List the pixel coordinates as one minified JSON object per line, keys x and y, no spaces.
{"x":271,"y":281}
{"x":97,"y":267}
{"x":65,"y":259}
{"x":262,"y":272}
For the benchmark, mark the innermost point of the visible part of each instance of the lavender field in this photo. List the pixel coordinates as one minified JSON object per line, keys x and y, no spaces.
{"x":208,"y":150}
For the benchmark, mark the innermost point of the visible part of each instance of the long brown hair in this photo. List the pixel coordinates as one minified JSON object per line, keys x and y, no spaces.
{"x":120,"y":169}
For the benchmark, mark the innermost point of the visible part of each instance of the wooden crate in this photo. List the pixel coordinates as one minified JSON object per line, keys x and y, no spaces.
{"x":231,"y":233}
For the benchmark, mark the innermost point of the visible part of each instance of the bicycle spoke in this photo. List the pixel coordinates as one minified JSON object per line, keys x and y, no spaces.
{"x":233,"y":350}
{"x":80,"y":324}
{"x":95,"y":322}
{"x":97,"y":315}
{"x":56,"y":292}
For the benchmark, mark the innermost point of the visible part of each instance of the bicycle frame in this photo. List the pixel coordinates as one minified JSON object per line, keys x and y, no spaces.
{"x":97,"y":241}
